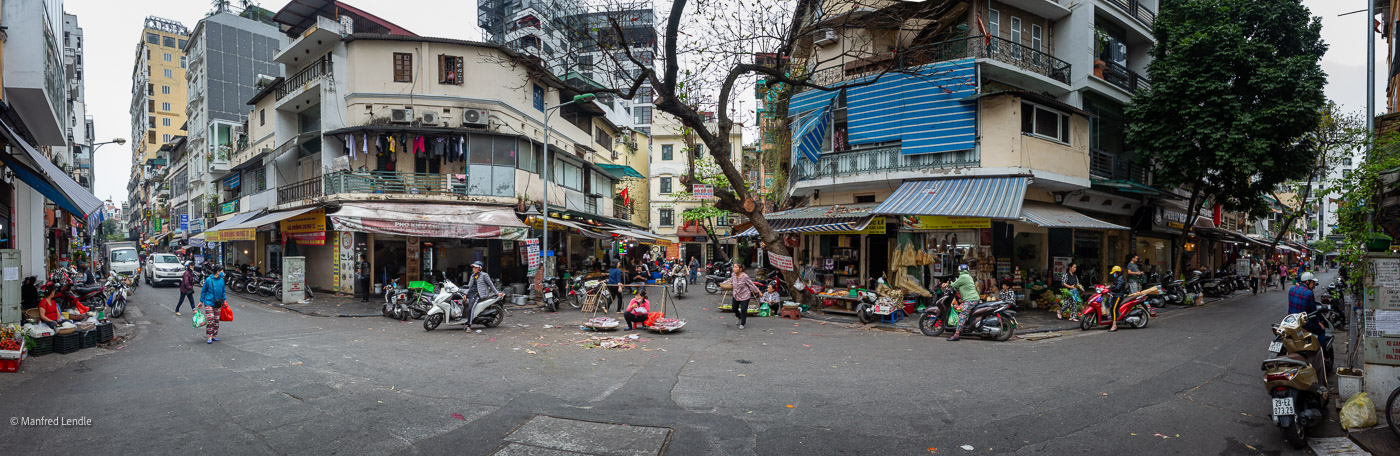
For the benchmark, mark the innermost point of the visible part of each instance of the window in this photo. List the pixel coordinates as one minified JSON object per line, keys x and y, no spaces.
{"x":865,"y":198}
{"x":168,"y":57}
{"x":699,"y":150}
{"x":182,"y":43}
{"x":1346,"y":161}
{"x":1043,"y":122}
{"x":994,"y":26}
{"x":182,"y":61}
{"x":165,"y":90}
{"x":403,"y":67}
{"x":151,"y":120}
{"x":603,"y":138}
{"x":643,"y":95}
{"x":667,"y":152}
{"x":165,"y":107}
{"x":262,"y":117}
{"x":538,"y":93}
{"x":568,"y":174}
{"x":665,"y":186}
{"x":169,"y":73}
{"x":503,"y":152}
{"x":150,"y":105}
{"x":450,"y":69}
{"x":1016,"y":36}
{"x":641,"y":115}
{"x":1036,"y":43}
{"x":165,"y":138}
{"x":150,"y":88}
{"x":151,"y":137}
{"x":665,"y":216}
{"x":528,"y":160}
{"x":169,"y":41}
{"x":152,"y":38}
{"x":165,"y":121}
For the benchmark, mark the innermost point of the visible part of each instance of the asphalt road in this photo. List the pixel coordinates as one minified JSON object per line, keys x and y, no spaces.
{"x":287,"y":383}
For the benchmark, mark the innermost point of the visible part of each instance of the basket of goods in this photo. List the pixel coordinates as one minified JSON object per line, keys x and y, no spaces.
{"x":86,"y":325}
{"x":728,"y":306}
{"x":667,"y":325}
{"x":32,"y":314}
{"x":11,"y":342}
{"x":602,"y":324}
{"x":67,"y":328}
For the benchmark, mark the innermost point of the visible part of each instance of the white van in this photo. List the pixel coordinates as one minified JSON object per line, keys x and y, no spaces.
{"x":124,"y":260}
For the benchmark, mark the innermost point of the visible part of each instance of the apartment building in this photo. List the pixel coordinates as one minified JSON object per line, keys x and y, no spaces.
{"x":157,"y":113}
{"x":672,"y":153}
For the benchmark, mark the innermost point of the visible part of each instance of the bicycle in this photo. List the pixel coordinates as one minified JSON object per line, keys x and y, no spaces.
{"x":1392,"y":411}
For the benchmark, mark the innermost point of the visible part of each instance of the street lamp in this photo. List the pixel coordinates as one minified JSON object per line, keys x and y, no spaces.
{"x":545,"y":241}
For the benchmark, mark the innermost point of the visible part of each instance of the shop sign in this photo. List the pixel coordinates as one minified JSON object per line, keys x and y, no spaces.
{"x":1062,"y":265}
{"x":312,"y":238}
{"x":310,"y":222}
{"x":184,"y":222}
{"x":943,"y":222}
{"x":1169,"y":218}
{"x":228,"y":207}
{"x":703,"y":191}
{"x":196,"y":225}
{"x":427,"y":229}
{"x":532,"y":255}
{"x":781,"y":262}
{"x":876,"y":226}
{"x":212,"y":236}
{"x":156,"y":223}
{"x":240,"y":234}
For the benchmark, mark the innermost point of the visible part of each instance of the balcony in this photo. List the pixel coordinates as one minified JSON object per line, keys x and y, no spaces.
{"x":1001,"y":50}
{"x":1136,"y":10}
{"x":393,"y":183}
{"x":883,"y":159}
{"x":1108,"y":166}
{"x":304,"y":190}
{"x":1124,"y":78}
{"x":313,"y":73}
{"x":315,"y":41}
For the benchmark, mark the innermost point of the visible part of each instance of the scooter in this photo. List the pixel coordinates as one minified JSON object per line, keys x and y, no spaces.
{"x":990,"y":319}
{"x":1291,"y":377}
{"x":448,"y":309}
{"x":678,"y":281}
{"x":1132,"y":311}
{"x":117,"y":291}
{"x":718,"y":273}
{"x":551,"y":299}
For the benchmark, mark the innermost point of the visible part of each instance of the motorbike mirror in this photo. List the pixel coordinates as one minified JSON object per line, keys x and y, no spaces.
{"x":1274,"y":328}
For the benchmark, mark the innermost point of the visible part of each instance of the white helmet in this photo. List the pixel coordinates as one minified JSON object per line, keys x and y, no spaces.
{"x":1307,"y":277}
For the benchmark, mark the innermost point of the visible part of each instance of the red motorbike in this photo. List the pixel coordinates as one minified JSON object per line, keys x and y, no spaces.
{"x":1133,"y":311}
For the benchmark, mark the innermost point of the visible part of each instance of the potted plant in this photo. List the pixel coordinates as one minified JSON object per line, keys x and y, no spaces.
{"x":1101,"y":41}
{"x":1378,"y":242}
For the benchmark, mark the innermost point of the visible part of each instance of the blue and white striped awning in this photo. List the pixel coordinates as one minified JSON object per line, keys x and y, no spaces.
{"x":990,"y":197}
{"x":811,"y":134}
{"x":1055,"y":216}
{"x":810,"y":226}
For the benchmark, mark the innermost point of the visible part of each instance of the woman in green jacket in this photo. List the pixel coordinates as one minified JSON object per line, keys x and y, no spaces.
{"x":967,"y":291}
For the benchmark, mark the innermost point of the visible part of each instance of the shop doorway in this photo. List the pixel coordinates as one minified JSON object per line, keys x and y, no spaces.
{"x":877,"y":257}
{"x":1088,"y":252}
{"x":696,"y":251}
{"x":390,"y":262}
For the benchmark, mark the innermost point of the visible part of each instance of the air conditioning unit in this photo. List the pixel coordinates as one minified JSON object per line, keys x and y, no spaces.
{"x":401,"y":115}
{"x":475,"y":117}
{"x":825,"y":37}
{"x":430,"y":118}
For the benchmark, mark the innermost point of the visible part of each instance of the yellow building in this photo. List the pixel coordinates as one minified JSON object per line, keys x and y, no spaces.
{"x":157,"y":101}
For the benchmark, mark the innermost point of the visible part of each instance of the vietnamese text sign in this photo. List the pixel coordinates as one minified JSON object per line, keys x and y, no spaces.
{"x":942,"y":222}
{"x":703,"y":191}
{"x":781,"y":262}
{"x":184,"y":222}
{"x":876,"y":226}
{"x":1387,"y":272}
{"x":241,"y":234}
{"x":310,"y":222}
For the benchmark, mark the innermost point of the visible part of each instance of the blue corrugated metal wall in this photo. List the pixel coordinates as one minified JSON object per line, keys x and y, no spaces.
{"x":922,"y":111}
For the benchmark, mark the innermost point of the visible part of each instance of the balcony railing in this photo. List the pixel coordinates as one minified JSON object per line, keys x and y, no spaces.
{"x":1121,"y":76}
{"x":313,"y":71}
{"x":883,"y":159}
{"x":1137,"y":10}
{"x":392,"y":182}
{"x":307,"y":189}
{"x":1108,"y":166}
{"x":1002,"y":50}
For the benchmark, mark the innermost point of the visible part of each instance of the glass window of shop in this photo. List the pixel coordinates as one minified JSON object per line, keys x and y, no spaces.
{"x":1155,"y":254}
{"x":1088,"y":253}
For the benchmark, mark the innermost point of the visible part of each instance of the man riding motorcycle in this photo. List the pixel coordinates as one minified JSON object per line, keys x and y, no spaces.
{"x":478,"y":285}
{"x":1301,"y":299}
{"x":967,"y":291}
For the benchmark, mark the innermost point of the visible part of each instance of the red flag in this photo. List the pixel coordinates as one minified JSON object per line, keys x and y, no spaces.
{"x":625,"y":199}
{"x":986,"y":37}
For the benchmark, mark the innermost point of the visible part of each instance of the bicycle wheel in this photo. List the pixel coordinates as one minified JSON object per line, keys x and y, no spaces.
{"x":1392,"y":412}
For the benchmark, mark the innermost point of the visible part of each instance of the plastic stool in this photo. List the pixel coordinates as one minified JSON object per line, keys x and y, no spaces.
{"x":893,"y":317}
{"x":794,"y":313}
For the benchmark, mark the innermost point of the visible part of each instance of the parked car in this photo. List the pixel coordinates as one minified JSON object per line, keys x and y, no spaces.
{"x":163,"y":268}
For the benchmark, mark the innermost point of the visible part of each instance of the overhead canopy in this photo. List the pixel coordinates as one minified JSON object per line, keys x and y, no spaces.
{"x":1056,"y":216}
{"x":234,"y":221}
{"x":811,"y":133}
{"x":272,"y":217}
{"x":642,"y":236}
{"x":810,"y":226}
{"x":621,"y":171}
{"x":48,"y":179}
{"x":458,"y":221}
{"x":989,"y":197}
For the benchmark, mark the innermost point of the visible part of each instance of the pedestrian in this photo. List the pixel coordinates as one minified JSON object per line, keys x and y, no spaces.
{"x":186,"y":289}
{"x":614,"y":284}
{"x":637,"y":311}
{"x":694,"y":269}
{"x":212,"y":297}
{"x":1115,"y":296}
{"x":362,"y":276}
{"x":744,"y":290}
{"x":1255,"y":272}
{"x":967,"y":291}
{"x":478,"y":286}
{"x":1134,"y":275}
{"x":29,"y":293}
{"x":1071,"y":284}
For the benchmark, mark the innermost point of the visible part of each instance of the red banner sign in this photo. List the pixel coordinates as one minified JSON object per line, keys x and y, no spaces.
{"x":427,"y":229}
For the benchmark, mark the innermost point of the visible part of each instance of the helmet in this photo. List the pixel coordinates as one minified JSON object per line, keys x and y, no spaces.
{"x":1115,"y":270}
{"x":962,"y":267}
{"x":476,"y":264}
{"x":1307,"y":277}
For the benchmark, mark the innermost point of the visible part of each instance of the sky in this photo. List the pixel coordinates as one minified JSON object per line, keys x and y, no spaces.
{"x":113,"y":29}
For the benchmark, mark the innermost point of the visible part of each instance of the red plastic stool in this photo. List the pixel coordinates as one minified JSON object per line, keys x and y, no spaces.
{"x":794,"y":313}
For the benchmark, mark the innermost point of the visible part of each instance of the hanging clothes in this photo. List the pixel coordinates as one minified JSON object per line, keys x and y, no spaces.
{"x":364,"y":143}
{"x":418,"y":145}
{"x":381,"y":145}
{"x":350,"y":144}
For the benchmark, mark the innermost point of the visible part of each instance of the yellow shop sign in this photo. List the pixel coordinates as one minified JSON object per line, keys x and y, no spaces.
{"x":876,"y":226}
{"x":943,"y":222}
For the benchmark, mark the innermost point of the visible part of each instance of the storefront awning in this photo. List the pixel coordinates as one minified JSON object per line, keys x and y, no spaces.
{"x":1056,"y":216}
{"x":988,"y":197}
{"x":810,"y":226}
{"x":272,"y":217}
{"x":48,"y":179}
{"x":455,"y":221}
{"x":621,"y":171}
{"x":234,"y":221}
{"x":643,"y":236}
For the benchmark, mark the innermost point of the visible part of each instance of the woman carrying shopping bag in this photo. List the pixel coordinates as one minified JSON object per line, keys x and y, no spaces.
{"x":212,"y":303}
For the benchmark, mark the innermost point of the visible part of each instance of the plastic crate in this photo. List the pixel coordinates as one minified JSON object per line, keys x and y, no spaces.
{"x":42,"y":346}
{"x":66,"y":343}
{"x":105,"y":332}
{"x":9,"y":365}
{"x":87,"y":339}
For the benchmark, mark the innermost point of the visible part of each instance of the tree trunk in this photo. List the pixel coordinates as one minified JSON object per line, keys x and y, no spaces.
{"x":1193,"y":209}
{"x":710,"y":233}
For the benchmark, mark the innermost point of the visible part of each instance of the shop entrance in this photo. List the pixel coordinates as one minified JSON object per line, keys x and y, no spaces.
{"x":1088,"y":252}
{"x":696,"y":251}
{"x":877,"y":257}
{"x":390,"y":262}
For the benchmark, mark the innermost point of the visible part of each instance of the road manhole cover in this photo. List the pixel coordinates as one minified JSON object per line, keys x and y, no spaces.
{"x":589,"y":437}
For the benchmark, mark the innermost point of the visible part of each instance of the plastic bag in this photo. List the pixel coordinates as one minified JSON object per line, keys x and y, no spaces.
{"x":198,"y":318}
{"x":226,"y":312}
{"x":1358,"y":412}
{"x":764,"y":310}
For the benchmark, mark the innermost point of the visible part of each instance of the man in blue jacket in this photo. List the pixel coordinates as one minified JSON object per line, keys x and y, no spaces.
{"x":615,"y":286}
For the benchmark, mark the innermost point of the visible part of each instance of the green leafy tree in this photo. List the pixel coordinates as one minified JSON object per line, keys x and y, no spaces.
{"x":1235,"y":83}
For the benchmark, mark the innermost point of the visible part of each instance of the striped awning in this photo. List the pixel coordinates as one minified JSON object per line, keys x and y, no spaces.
{"x":811,"y":133}
{"x":810,"y":226}
{"x":990,"y":197}
{"x":1056,"y":216}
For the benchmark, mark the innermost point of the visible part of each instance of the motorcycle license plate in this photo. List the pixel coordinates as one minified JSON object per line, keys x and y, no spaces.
{"x":1275,"y":347}
{"x":1283,"y":406}
{"x":549,"y":295}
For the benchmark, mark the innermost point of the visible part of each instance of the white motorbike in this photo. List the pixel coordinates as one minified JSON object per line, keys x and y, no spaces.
{"x":447,"y":308}
{"x":680,"y":283}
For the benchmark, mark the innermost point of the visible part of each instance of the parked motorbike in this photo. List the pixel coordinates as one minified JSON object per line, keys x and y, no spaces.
{"x":990,"y":319}
{"x":1173,"y":291}
{"x":551,"y":298}
{"x":116,"y":290}
{"x":1133,"y":311}
{"x":448,"y":309}
{"x":1195,"y":283}
{"x":1291,"y":377}
{"x":1332,"y":317}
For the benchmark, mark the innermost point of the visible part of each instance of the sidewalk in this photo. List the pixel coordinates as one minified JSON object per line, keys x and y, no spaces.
{"x":324,"y":305}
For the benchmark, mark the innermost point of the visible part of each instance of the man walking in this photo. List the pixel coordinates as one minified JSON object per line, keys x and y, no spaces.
{"x":1134,"y":274}
{"x":694,"y":269}
{"x":1255,"y":273}
{"x":362,"y":275}
{"x":186,"y":289}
